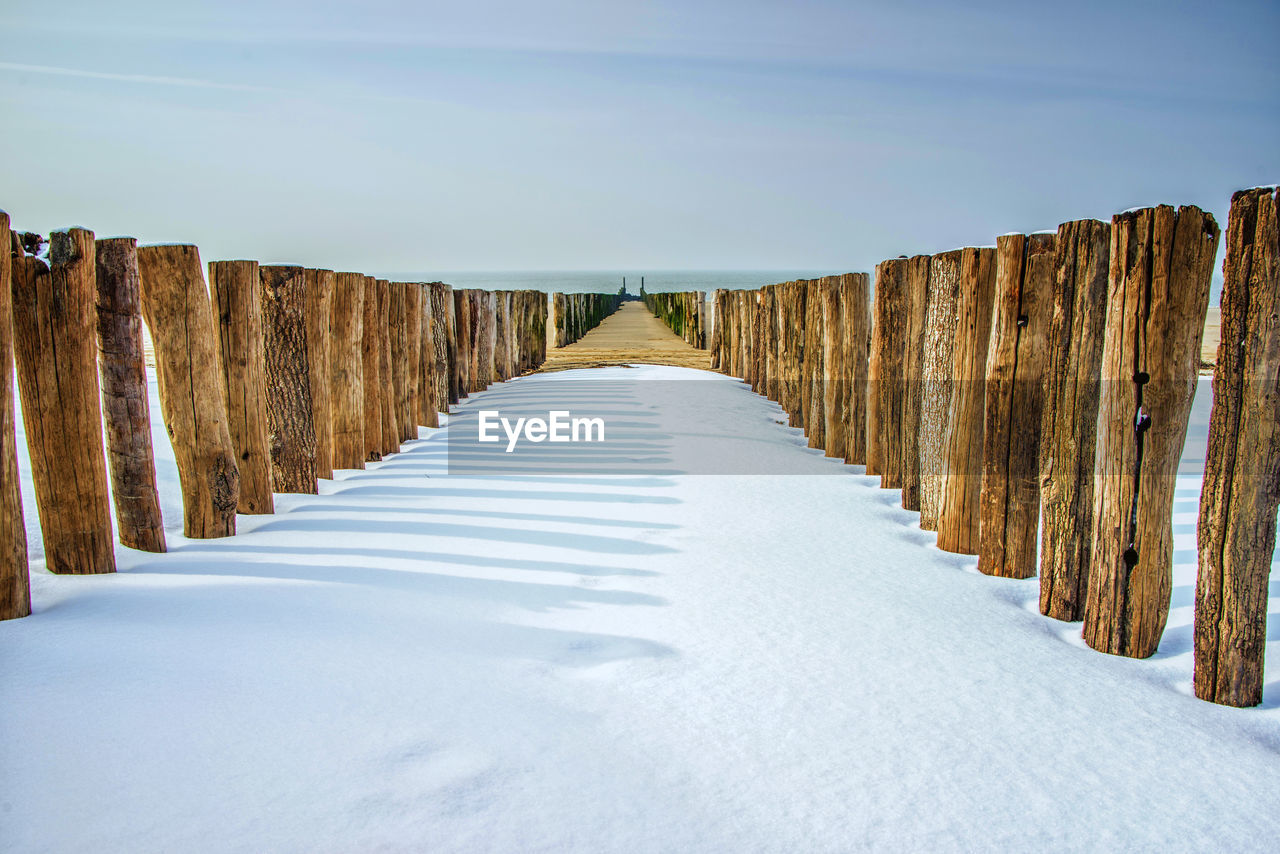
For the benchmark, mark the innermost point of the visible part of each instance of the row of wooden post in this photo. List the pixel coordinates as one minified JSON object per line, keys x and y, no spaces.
{"x":574,"y":315}
{"x":270,"y":378}
{"x":683,"y":312}
{"x":1052,"y":377}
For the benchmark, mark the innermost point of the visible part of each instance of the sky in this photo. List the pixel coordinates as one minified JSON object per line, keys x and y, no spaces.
{"x":565,"y":135}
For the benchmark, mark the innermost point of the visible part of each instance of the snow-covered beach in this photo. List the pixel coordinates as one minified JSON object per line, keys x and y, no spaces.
{"x":415,"y":661}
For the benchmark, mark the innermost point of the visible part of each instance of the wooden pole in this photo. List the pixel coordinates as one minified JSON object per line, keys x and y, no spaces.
{"x":236,"y":296}
{"x":1070,"y":421}
{"x":885,"y":414}
{"x":937,"y":357}
{"x":442,"y":342}
{"x":855,"y":295}
{"x":835,"y":403}
{"x":346,"y":370}
{"x":371,"y":359}
{"x":386,"y":370}
{"x":958,"y":520}
{"x":418,"y":358}
{"x":1237,"y":530}
{"x":398,"y":333}
{"x":125,"y":409}
{"x":1157,"y":295}
{"x":289,"y":415}
{"x":15,"y":584}
{"x":318,"y":288}
{"x":177,"y":308}
{"x":1009,"y":498}
{"x":814,"y":368}
{"x":917,"y":299}
{"x":462,"y":344}
{"x":53,"y":328}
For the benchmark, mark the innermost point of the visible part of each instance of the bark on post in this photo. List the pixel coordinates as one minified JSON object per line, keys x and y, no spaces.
{"x":1009,"y":501}
{"x":814,"y":368}
{"x":958,"y":525}
{"x":935,"y":379}
{"x":178,"y":312}
{"x":1157,"y":294}
{"x":346,"y":371}
{"x":855,"y":295}
{"x":1237,"y":528}
{"x":53,"y":328}
{"x":835,"y":403}
{"x":917,"y":285}
{"x":397,"y":321}
{"x":15,"y":584}
{"x":319,"y":295}
{"x":888,"y":354}
{"x":371,"y":360}
{"x":289,"y":416}
{"x":462,"y":344}
{"x":131,"y":461}
{"x":416,"y":381}
{"x":1070,"y":420}
{"x":442,"y":341}
{"x":386,"y":368}
{"x":237,"y":306}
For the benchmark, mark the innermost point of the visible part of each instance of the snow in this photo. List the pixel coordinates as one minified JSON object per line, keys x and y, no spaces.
{"x":414,"y":661}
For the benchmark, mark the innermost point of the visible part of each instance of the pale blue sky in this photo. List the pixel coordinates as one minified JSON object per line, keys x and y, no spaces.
{"x":591,"y":135}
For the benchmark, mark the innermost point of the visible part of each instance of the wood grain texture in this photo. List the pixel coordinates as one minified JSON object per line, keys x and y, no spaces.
{"x":386,"y":369}
{"x":319,"y":313}
{"x":398,"y":333}
{"x":371,"y":359}
{"x":236,"y":296}
{"x":462,"y":342}
{"x":442,"y":341}
{"x":814,"y":369}
{"x":958,"y":520}
{"x":1070,"y":420}
{"x":417,"y":306}
{"x":54,"y":339}
{"x":936,"y":383}
{"x":917,"y":299}
{"x":886,"y":393}
{"x":1158,"y":291}
{"x":15,"y":584}
{"x":1009,"y":499}
{"x":835,"y":402}
{"x":855,"y":289}
{"x":290,"y":420}
{"x":177,"y":308}
{"x":346,"y":370}
{"x":1237,"y":525}
{"x":125,"y":410}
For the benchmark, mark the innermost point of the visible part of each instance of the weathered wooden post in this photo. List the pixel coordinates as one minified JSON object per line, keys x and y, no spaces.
{"x":935,"y":379}
{"x":319,"y":295}
{"x":958,"y":521}
{"x":885,"y":413}
{"x":178,"y":312}
{"x":917,"y":298}
{"x":418,"y":360}
{"x":442,"y":341}
{"x":346,"y":371}
{"x":1070,"y":420}
{"x":462,"y":344}
{"x":855,"y":295}
{"x":793,"y":351}
{"x":1237,"y":529}
{"x":387,"y":392}
{"x":1157,"y":295}
{"x":814,"y":368}
{"x":371,"y":359}
{"x":125,"y":410}
{"x":398,"y":333}
{"x":1009,"y":498}
{"x":288,"y":374}
{"x":15,"y":584}
{"x":501,"y":346}
{"x":236,"y":296}
{"x":53,"y":328}
{"x":835,"y":402}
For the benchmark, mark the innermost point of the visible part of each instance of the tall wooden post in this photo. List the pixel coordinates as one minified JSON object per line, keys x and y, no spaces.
{"x":289,"y":415}
{"x":346,"y":371}
{"x":125,"y":409}
{"x":177,"y":309}
{"x":917,"y":297}
{"x":935,"y":379}
{"x":835,"y":404}
{"x":1237,"y":530}
{"x":390,"y":423}
{"x":1009,"y":501}
{"x":814,"y":369}
{"x":958,"y":521}
{"x":442,"y":342}
{"x":855,"y":294}
{"x":371,"y":359}
{"x":462,"y":344}
{"x":237,"y":305}
{"x":319,"y":311}
{"x":414,"y":315}
{"x":397,"y":333}
{"x":1157,"y":294}
{"x":15,"y":585}
{"x":1070,"y":421}
{"x":53,"y":327}
{"x":885,"y":415}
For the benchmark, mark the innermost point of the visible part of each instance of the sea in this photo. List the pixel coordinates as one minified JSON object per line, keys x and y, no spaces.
{"x":609,"y":281}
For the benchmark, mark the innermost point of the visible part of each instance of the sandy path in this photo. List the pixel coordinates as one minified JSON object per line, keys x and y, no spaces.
{"x":630,"y":335}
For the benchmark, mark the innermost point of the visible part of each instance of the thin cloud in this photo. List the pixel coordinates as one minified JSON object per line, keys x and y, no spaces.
{"x":132,"y":78}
